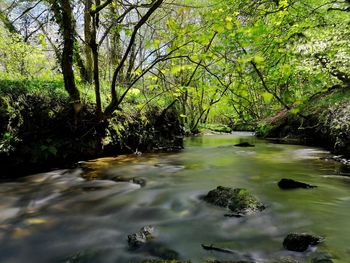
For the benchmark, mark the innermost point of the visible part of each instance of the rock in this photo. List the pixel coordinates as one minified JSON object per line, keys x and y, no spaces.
{"x":301,"y":242}
{"x":291,"y":184}
{"x":322,"y":258}
{"x":161,"y":251}
{"x":134,"y":180}
{"x":238,"y":200}
{"x":244,"y":144}
{"x":142,"y":241}
{"x":85,"y":257}
{"x":237,"y":215}
{"x":138,"y":239}
{"x":139,"y":181}
{"x":285,"y":260}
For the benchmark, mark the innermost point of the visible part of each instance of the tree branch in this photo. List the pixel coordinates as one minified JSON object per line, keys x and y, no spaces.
{"x":143,"y":20}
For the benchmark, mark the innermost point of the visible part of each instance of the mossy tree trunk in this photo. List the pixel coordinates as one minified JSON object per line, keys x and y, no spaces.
{"x":87,"y":36}
{"x":68,"y":51}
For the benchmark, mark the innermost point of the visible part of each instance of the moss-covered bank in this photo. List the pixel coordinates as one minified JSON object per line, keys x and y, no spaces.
{"x":324,"y":120}
{"x":40,"y":130}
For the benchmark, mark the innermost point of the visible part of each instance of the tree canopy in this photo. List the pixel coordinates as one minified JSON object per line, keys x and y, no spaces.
{"x":233,"y":62}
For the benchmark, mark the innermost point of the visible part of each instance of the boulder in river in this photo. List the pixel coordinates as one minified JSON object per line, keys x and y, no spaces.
{"x":291,"y":184}
{"x":301,"y":242}
{"x":238,"y":200}
{"x":145,"y":234}
{"x":244,"y":144}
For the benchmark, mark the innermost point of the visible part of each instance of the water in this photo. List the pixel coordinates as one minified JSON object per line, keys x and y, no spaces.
{"x":54,"y":216}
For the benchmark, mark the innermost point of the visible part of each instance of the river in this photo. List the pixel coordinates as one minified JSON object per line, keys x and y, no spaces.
{"x":60,"y":217}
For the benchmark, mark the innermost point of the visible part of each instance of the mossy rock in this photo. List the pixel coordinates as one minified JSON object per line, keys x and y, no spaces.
{"x":138,"y":239}
{"x":238,"y":200}
{"x":285,"y":260}
{"x":161,"y":251}
{"x":322,"y":257}
{"x":301,"y":242}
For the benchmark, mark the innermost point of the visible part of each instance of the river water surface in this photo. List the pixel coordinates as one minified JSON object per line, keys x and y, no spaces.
{"x":60,"y":217}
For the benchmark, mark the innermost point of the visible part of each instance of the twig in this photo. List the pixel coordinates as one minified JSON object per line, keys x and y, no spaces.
{"x":211,"y":247}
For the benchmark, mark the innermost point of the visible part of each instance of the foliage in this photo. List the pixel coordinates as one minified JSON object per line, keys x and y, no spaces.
{"x":216,"y":127}
{"x":21,"y":60}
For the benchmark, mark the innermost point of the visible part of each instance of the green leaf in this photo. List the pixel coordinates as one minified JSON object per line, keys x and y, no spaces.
{"x":294,"y":110}
{"x":258,"y":59}
{"x":267,"y":97}
{"x":229,"y":25}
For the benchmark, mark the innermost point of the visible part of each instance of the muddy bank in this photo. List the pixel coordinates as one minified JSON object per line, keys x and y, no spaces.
{"x":41,"y":131}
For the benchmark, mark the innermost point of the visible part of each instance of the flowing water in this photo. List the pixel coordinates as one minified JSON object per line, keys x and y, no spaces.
{"x":60,"y":217}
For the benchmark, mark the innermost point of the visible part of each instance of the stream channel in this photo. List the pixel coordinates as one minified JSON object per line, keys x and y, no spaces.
{"x":60,"y":217}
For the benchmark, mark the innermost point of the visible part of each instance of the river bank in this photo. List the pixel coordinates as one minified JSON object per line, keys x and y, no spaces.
{"x":324,"y":121}
{"x":39,"y":130}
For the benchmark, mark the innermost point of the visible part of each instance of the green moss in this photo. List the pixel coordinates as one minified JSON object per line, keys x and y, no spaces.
{"x":216,"y":127}
{"x":263,"y":129}
{"x":238,"y":200}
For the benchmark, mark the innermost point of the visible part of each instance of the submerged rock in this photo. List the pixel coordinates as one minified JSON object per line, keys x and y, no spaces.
{"x":322,"y":258}
{"x":163,"y":261}
{"x":134,"y":180}
{"x":229,"y":261}
{"x":301,"y":242}
{"x":244,"y":144}
{"x":159,"y":250}
{"x":285,"y":260}
{"x":145,"y":234}
{"x":85,"y":257}
{"x":238,"y":200}
{"x":142,"y":241}
{"x":291,"y":184}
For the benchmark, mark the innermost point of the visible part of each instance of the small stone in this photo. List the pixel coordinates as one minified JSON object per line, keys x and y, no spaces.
{"x":301,"y":242}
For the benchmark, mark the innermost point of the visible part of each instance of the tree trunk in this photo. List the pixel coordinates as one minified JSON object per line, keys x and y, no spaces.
{"x":115,"y":101}
{"x":94,"y":48}
{"x":67,"y":55}
{"x":87,"y":35}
